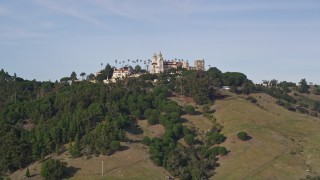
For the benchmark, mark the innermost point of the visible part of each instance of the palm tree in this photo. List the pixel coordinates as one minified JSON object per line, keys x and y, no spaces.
{"x":116,"y":63}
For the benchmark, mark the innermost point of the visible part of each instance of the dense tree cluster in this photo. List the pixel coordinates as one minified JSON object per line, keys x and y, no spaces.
{"x":37,"y":118}
{"x":193,"y":162}
{"x":53,"y":169}
{"x":203,"y":85}
{"x":45,"y":115}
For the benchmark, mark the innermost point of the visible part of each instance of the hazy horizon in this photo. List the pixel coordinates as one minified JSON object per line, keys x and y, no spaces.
{"x":46,"y":39}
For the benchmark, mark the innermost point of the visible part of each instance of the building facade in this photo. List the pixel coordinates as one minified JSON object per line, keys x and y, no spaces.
{"x":121,"y":73}
{"x":199,"y":65}
{"x":159,"y":65}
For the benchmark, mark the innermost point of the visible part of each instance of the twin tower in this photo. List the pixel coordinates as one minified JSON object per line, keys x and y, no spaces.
{"x":157,"y":65}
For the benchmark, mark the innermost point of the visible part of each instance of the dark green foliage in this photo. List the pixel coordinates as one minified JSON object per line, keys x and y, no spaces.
{"x":115,"y":145}
{"x":242,"y":136}
{"x":52,"y":169}
{"x":316,"y":91}
{"x":316,"y":106}
{"x":286,"y":105}
{"x":93,"y":118}
{"x":189,"y":109}
{"x":214,"y":137}
{"x":146,"y":141}
{"x":106,"y":73}
{"x":278,"y":93}
{"x":75,"y":149}
{"x":189,"y":139}
{"x":223,"y":151}
{"x":233,"y":78}
{"x":27,"y":174}
{"x":303,"y":86}
{"x":152,"y":116}
{"x":205,"y":108}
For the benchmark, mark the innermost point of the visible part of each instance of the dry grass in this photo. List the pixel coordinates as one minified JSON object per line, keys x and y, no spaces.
{"x":284,"y":143}
{"x":132,"y":163}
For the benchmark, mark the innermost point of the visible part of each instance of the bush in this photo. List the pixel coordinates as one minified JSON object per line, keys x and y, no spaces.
{"x":27,"y":174}
{"x":189,"y":109}
{"x":146,"y":141}
{"x":115,"y":145}
{"x":152,"y":120}
{"x":223,"y":151}
{"x":205,"y":108}
{"x":53,"y":169}
{"x":243,"y":136}
{"x":189,"y":139}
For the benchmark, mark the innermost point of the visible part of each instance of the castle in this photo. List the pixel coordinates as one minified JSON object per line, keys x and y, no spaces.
{"x":159,"y":65}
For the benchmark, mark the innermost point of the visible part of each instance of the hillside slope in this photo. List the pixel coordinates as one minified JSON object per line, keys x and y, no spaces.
{"x":284,"y":144}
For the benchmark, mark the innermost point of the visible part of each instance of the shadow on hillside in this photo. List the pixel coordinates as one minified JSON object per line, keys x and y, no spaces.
{"x":183,"y":120}
{"x":70,"y":171}
{"x":134,"y":129}
{"x":249,"y":138}
{"x":221,"y":96}
{"x":195,"y":113}
{"x":123,"y":148}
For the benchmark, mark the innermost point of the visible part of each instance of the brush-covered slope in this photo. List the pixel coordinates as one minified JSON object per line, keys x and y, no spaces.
{"x":284,"y":144}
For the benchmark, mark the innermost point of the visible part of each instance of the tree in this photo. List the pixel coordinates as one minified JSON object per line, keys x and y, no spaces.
{"x":65,"y":80}
{"x":243,"y":136}
{"x":222,"y":150}
{"x":115,"y":145}
{"x":146,"y":141}
{"x":189,"y":109}
{"x":189,"y":139}
{"x":137,"y":69}
{"x":205,"y":108}
{"x":90,"y":77}
{"x":303,"y":88}
{"x":52,"y":169}
{"x":76,"y":147}
{"x":73,"y":76}
{"x":27,"y":174}
{"x":82,"y":75}
{"x":273,"y":82}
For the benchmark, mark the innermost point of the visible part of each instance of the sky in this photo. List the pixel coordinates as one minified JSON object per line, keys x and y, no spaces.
{"x":273,"y":39}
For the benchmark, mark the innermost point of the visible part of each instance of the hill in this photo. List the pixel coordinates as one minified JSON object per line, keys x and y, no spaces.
{"x":142,"y":129}
{"x":284,"y":144}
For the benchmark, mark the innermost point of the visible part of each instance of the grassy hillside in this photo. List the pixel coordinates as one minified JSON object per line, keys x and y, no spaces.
{"x":132,"y":162}
{"x":284,"y":144}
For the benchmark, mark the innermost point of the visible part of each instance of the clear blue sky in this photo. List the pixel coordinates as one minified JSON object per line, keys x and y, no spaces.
{"x":265,"y":39}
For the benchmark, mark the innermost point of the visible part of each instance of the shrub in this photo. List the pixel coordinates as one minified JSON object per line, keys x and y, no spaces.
{"x":205,"y":108}
{"x":243,"y":136}
{"x":251,"y":99}
{"x":53,"y":169}
{"x":189,"y":139}
{"x":27,"y":174}
{"x":146,"y":141}
{"x":115,"y":145}
{"x":189,"y":109}
{"x":223,"y":151}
